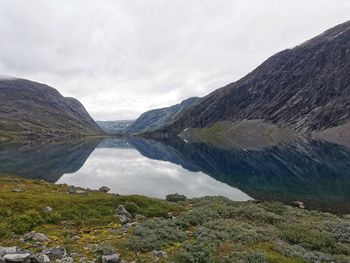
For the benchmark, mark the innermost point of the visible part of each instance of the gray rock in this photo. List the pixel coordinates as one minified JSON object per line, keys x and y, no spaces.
{"x":104,"y":189}
{"x":72,"y":190}
{"x":115,"y":258}
{"x":170,"y":215}
{"x":33,"y":236}
{"x":75,"y":238}
{"x":17,"y":190}
{"x":18,"y":257}
{"x":299,"y":204}
{"x":158,"y":254}
{"x":57,"y":253}
{"x":123,"y":219}
{"x":122,"y":211}
{"x":42,"y":258}
{"x":7,"y":250}
{"x":65,"y":260}
{"x":47,"y":209}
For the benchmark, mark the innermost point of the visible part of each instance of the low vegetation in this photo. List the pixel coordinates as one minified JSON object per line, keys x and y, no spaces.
{"x":208,"y":229}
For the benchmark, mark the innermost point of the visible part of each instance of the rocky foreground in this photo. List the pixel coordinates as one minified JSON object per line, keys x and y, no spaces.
{"x":43,"y":222}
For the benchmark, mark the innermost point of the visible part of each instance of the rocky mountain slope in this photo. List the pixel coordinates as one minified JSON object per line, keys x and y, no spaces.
{"x":306,"y":89}
{"x":154,"y":119}
{"x":30,"y":109}
{"x":115,"y":126}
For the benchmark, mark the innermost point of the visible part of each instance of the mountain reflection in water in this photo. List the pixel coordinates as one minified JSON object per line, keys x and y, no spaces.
{"x":315,"y":172}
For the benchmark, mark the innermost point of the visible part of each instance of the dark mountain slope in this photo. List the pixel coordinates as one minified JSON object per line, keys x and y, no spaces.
{"x":154,"y":119}
{"x":30,"y":109}
{"x":306,"y":88}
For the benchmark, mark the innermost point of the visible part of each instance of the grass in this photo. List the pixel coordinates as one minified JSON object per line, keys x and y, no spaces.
{"x":208,"y":229}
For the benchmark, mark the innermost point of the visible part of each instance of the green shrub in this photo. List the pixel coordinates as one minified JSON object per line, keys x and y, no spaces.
{"x":155,"y":234}
{"x":131,"y":207}
{"x":308,"y":238}
{"x":254,"y":257}
{"x":195,"y":252}
{"x":25,"y":222}
{"x":175,"y":198}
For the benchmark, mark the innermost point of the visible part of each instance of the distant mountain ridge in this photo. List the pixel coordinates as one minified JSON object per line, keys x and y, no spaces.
{"x":149,"y":120}
{"x":120,"y":126}
{"x":306,"y":89}
{"x":154,"y":119}
{"x":31,"y":109}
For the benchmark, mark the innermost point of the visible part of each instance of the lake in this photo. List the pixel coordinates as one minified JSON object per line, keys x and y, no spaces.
{"x":313,"y":171}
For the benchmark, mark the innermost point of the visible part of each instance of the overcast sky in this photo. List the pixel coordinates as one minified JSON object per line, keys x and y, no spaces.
{"x":121,"y":58}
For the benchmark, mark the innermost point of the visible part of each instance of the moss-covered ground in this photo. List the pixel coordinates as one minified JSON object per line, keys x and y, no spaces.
{"x":208,"y":229}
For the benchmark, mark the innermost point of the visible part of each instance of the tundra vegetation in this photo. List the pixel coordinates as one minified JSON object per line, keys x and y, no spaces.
{"x":208,"y":229}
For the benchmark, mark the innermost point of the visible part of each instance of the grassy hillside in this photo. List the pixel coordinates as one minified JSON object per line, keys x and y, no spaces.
{"x":208,"y":229}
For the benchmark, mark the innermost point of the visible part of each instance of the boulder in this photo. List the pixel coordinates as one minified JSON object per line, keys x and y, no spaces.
{"x":17,"y":257}
{"x":123,"y":219}
{"x":33,"y":236}
{"x":104,"y":189}
{"x":115,"y":258}
{"x":122,"y":211}
{"x":7,"y":250}
{"x":42,"y":258}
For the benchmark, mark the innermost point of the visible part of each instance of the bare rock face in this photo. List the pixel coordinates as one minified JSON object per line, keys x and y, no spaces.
{"x":30,"y":109}
{"x":306,"y":89}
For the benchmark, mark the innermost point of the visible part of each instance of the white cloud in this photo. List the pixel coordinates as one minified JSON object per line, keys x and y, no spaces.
{"x":121,"y":58}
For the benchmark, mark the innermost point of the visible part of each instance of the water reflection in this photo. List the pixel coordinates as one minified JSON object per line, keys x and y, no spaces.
{"x":126,"y":171}
{"x":316,"y":172}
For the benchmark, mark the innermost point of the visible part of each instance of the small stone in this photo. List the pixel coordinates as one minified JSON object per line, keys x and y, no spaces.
{"x":115,"y":258}
{"x":158,"y":254}
{"x":17,"y":190}
{"x":299,"y":204}
{"x":47,"y":209}
{"x":43,"y":258}
{"x":75,"y":238}
{"x":72,"y":190}
{"x":65,"y":260}
{"x":104,"y":189}
{"x":19,"y":257}
{"x":33,"y":236}
{"x":57,"y":253}
{"x":170,"y":215}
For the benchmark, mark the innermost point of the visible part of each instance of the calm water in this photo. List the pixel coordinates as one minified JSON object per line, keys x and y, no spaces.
{"x":315,"y":172}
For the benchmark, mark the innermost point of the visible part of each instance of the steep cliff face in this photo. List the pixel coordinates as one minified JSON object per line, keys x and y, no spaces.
{"x":30,"y":109}
{"x":306,"y":88}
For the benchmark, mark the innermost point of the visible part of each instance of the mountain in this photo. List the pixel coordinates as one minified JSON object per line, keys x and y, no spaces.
{"x":115,"y":126}
{"x":305,"y":89}
{"x":154,"y":119}
{"x":31,"y":109}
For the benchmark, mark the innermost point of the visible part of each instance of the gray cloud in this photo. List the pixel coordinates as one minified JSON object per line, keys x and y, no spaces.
{"x":121,"y":58}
